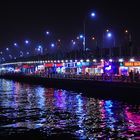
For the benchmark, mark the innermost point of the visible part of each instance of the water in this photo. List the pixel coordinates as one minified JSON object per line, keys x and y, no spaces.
{"x":36,"y":111}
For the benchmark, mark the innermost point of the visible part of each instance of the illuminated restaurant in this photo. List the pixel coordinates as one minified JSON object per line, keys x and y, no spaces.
{"x":128,"y":66}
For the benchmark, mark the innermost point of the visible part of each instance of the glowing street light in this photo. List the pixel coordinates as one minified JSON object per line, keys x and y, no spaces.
{"x":93,"y":38}
{"x":126,"y":31}
{"x":47,"y":32}
{"x":15,"y":44}
{"x":26,"y":41}
{"x":52,"y":45}
{"x":109,"y":35}
{"x":74,"y":42}
{"x":107,"y":30}
{"x":93,"y":15}
{"x":81,"y":36}
{"x":40,"y":49}
{"x":7,"y":49}
{"x":21,"y":53}
{"x":129,"y":41}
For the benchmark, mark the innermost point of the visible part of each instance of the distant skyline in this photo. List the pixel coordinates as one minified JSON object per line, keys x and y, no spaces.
{"x":22,"y":20}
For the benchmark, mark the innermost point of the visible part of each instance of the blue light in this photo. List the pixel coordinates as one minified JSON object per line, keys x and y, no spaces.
{"x":81,"y":36}
{"x":40,"y":46}
{"x":26,"y":42}
{"x":109,"y":35}
{"x":7,"y":49}
{"x":39,"y":49}
{"x":74,"y":42}
{"x":15,"y":44}
{"x":93,"y":14}
{"x":52,"y":45}
{"x":47,"y":32}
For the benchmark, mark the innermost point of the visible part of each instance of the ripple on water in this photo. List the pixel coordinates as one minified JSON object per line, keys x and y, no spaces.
{"x":27,"y":110}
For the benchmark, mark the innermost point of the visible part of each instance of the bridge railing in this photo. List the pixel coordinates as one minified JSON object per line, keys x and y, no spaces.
{"x":84,"y":77}
{"x":113,"y":78}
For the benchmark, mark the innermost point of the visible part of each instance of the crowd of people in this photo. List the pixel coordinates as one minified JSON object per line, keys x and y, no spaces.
{"x":132,"y":77}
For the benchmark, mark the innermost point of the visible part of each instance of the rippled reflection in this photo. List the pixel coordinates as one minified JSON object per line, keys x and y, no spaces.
{"x":26,"y":107}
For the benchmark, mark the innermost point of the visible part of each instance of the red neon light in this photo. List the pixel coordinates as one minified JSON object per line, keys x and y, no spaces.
{"x":26,"y":66}
{"x":49,"y":65}
{"x":59,"y":65}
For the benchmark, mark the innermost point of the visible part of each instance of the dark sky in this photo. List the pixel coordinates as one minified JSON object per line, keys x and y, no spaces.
{"x":30,"y":19}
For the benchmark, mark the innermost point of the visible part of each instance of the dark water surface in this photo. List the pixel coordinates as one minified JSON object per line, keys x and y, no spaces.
{"x":37,"y":112}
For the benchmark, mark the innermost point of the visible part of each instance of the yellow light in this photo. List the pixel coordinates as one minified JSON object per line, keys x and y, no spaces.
{"x":126,"y":31}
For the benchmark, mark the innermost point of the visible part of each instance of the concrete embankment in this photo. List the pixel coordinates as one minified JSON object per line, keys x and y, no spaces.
{"x":100,"y":89}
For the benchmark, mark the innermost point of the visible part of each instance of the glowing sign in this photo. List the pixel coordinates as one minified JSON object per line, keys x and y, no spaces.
{"x":26,"y":66}
{"x":130,"y":64}
{"x":49,"y":65}
{"x":59,"y":65}
{"x":108,"y":68}
{"x":136,"y":63}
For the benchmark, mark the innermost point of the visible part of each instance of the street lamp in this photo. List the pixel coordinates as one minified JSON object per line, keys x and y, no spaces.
{"x":47,"y":32}
{"x":109,"y":36}
{"x":21,"y":53}
{"x":40,"y":49}
{"x":93,"y":15}
{"x":7,"y":49}
{"x":95,"y":39}
{"x":129,"y":42}
{"x":104,"y":36}
{"x":26,"y":41}
{"x":126,"y":31}
{"x":15,"y":44}
{"x":81,"y":36}
{"x":52,"y":45}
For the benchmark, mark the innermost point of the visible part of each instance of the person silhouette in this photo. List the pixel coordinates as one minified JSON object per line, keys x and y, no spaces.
{"x":131,"y":76}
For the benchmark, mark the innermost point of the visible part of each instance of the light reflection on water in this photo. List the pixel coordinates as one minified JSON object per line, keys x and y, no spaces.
{"x":25,"y":107}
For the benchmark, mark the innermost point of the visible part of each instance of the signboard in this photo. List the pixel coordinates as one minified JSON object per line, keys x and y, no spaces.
{"x":136,"y":63}
{"x":59,"y":65}
{"x":132,"y":64}
{"x":26,"y":66}
{"x":49,"y":65}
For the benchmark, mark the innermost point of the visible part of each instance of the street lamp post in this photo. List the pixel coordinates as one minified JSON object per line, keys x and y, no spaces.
{"x":84,"y":27}
{"x":102,"y":46}
{"x":129,"y":42}
{"x":96,"y":50}
{"x":84,"y":39}
{"x":109,"y":35}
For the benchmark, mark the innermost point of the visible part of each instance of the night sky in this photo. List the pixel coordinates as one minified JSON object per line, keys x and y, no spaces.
{"x":22,"y":20}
